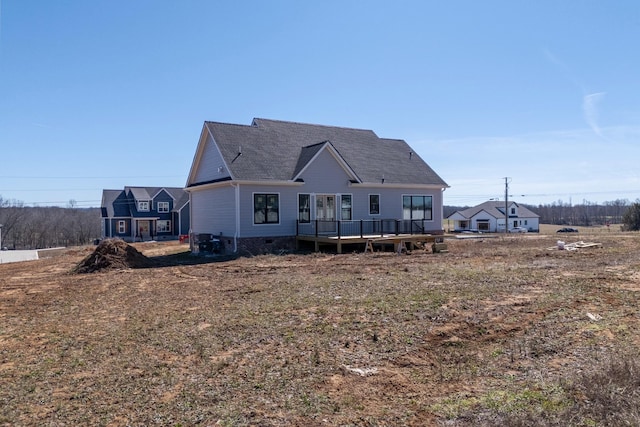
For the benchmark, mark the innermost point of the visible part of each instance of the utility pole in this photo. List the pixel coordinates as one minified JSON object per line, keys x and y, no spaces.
{"x":506,"y":204}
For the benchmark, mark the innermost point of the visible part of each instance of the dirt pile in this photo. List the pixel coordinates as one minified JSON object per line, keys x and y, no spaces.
{"x":113,"y":254}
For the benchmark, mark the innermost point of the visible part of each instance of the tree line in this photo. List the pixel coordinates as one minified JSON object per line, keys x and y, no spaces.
{"x":583,"y":214}
{"x":25,"y":227}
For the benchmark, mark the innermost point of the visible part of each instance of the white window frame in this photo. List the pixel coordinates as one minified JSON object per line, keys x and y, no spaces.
{"x":122,"y":227}
{"x":163,"y":207}
{"x":160,"y":229}
{"x":143,"y":206}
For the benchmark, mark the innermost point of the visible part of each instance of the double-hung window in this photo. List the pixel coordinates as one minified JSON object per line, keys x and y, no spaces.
{"x":122,"y":227}
{"x":417,"y":207}
{"x":266,"y":208}
{"x":163,"y":207}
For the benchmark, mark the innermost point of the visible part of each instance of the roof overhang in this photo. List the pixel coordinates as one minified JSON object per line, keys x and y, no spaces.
{"x":227,"y":183}
{"x":396,"y":186}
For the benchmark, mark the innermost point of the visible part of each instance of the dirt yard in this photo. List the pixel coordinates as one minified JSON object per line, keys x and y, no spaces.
{"x":495,"y":331}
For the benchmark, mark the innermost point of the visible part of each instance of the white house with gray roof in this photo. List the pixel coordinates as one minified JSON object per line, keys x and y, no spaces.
{"x":255,"y":187}
{"x":489,"y":217}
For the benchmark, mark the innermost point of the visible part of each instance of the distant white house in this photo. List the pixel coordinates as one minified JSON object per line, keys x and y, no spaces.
{"x":489,"y":217}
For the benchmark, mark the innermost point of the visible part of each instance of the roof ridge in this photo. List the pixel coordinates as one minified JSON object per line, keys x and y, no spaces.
{"x":313,"y":124}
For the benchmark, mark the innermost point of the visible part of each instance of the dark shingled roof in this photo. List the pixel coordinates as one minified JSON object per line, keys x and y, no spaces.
{"x":278,"y":150}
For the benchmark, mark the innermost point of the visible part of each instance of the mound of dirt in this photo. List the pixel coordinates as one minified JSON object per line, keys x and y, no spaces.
{"x":113,"y":254}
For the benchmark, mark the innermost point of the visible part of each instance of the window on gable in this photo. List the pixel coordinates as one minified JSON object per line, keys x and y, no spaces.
{"x":345,"y":207}
{"x":163,"y":207}
{"x":417,"y":207}
{"x":513,"y":211}
{"x":304,"y":203}
{"x":374,"y":204}
{"x":266,"y":208}
{"x":143,"y":205}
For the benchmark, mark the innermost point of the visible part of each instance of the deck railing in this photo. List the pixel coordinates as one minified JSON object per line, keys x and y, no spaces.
{"x":361,"y":228}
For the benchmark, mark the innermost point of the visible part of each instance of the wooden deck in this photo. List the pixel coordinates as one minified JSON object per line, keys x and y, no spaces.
{"x":399,"y":241}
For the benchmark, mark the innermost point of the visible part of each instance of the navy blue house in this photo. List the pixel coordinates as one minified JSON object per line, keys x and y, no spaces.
{"x":138,"y":214}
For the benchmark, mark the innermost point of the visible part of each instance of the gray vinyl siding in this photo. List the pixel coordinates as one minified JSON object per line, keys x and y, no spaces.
{"x":213,"y":211}
{"x":325,"y":176}
{"x":210,"y":162}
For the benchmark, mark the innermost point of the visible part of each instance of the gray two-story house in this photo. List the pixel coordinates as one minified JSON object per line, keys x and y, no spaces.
{"x":145,"y":213}
{"x":256,"y":187}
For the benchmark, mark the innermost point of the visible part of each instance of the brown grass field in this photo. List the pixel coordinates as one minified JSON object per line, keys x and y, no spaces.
{"x":497,"y":331}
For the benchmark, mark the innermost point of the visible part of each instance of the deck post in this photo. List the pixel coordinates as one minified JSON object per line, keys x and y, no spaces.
{"x":361,"y":229}
{"x":316,"y":230}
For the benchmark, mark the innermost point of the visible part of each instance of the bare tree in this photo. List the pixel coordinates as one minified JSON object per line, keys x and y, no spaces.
{"x":42,"y":227}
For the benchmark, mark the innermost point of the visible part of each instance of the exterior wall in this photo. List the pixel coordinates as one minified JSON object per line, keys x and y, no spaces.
{"x":496,"y":224}
{"x":181,"y":223}
{"x":326,"y":176}
{"x":210,"y":162}
{"x":114,"y":228}
{"x":288,"y":213}
{"x":106,"y":227}
{"x":163,"y":196}
{"x":484,"y":217}
{"x":213,"y":211}
{"x":531,"y":224}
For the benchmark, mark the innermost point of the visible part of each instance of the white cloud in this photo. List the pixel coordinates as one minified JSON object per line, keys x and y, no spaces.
{"x":590,"y":108}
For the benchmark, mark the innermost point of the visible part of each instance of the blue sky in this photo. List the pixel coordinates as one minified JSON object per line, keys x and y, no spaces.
{"x":104,"y":94}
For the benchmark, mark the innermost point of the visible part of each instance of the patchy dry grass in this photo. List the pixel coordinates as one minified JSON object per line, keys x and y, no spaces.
{"x":495,"y":332}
